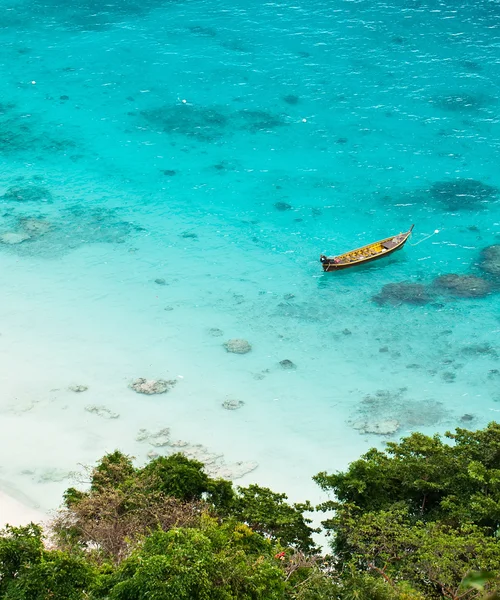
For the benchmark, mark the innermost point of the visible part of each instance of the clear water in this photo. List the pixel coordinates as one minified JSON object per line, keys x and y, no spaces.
{"x":165,"y":135}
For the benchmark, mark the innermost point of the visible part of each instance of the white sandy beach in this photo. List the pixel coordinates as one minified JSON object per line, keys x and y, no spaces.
{"x":13,"y":512}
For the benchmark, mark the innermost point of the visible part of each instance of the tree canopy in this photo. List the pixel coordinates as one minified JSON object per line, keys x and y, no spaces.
{"x":418,"y":520}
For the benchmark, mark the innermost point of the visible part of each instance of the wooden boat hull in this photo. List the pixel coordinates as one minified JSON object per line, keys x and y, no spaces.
{"x":366,"y":254}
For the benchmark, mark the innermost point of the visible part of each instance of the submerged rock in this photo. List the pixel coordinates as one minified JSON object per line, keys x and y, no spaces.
{"x":102,"y":411}
{"x":52,"y":475}
{"x":152,"y":386}
{"x":32,"y":193}
{"x":484,"y":349}
{"x":467,"y":418}
{"x":237,"y":346}
{"x":35,"y":227}
{"x":159,"y":438}
{"x":12,"y":237}
{"x":231,"y":404}
{"x":78,"y":388}
{"x":489,"y":260}
{"x":382,"y":427}
{"x":460,"y":102}
{"x":189,"y":235}
{"x":282,"y":206}
{"x":463,"y":194}
{"x":448,"y":376}
{"x":231,"y":471}
{"x":179,"y":444}
{"x":215,"y":332}
{"x":403,"y":292}
{"x":202,"y":123}
{"x":463,"y":286}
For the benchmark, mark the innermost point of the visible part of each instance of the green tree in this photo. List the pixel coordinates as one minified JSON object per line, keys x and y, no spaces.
{"x":215,"y":562}
{"x":268,"y":513}
{"x":430,"y":556}
{"x":177,"y":476}
{"x":29,"y":572}
{"x":457,"y":481}
{"x":425,"y":511}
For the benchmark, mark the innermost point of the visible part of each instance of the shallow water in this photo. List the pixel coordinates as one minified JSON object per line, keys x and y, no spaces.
{"x":221,"y":149}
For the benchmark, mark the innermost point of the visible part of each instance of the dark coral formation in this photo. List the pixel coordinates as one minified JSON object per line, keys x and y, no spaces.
{"x":472,"y":66}
{"x":32,"y":193}
{"x":489,"y":260}
{"x":258,"y":120}
{"x":20,"y":133}
{"x":463,"y":194}
{"x":92,"y":15}
{"x":460,"y":102}
{"x":189,"y":235}
{"x":404,"y":292}
{"x":462,"y":286}
{"x":210,"y":123}
{"x":386,"y":411}
{"x":70,"y":228}
{"x":282,"y":206}
{"x":483,"y":349}
{"x":202,"y":123}
{"x":203,"y":31}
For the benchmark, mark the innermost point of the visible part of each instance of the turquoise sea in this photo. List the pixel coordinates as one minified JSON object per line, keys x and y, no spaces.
{"x":171,"y":172}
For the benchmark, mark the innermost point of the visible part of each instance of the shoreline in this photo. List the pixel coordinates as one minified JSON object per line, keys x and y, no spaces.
{"x":16,"y":513}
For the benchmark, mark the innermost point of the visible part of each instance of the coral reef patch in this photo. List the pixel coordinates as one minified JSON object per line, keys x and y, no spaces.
{"x":78,"y":388}
{"x":158,"y":439}
{"x":31,"y":193}
{"x":215,"y":464}
{"x":152,"y":386}
{"x":201,"y":123}
{"x":215,"y":332}
{"x":209,"y":123}
{"x":101,"y":411}
{"x":381,"y":427}
{"x":462,"y":102}
{"x":463,"y":194}
{"x":404,"y":292}
{"x":462,"y":286}
{"x":387,"y":411}
{"x":14,"y":237}
{"x":69,"y":228}
{"x":231,"y":404}
{"x":237,"y":346}
{"x":489,"y":260}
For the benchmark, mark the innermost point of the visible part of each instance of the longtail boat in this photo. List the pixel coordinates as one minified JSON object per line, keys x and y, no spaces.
{"x":365,"y":254}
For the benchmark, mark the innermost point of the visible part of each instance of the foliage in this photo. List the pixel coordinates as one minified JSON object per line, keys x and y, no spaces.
{"x":214,"y":562}
{"x":433,"y":557}
{"x":268,"y":513}
{"x":424,"y":511}
{"x":113,"y":470}
{"x":125,"y":503}
{"x":113,"y":520}
{"x":177,"y":476}
{"x":19,"y":546}
{"x":28,"y":571}
{"x":418,"y":521}
{"x":457,"y":482}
